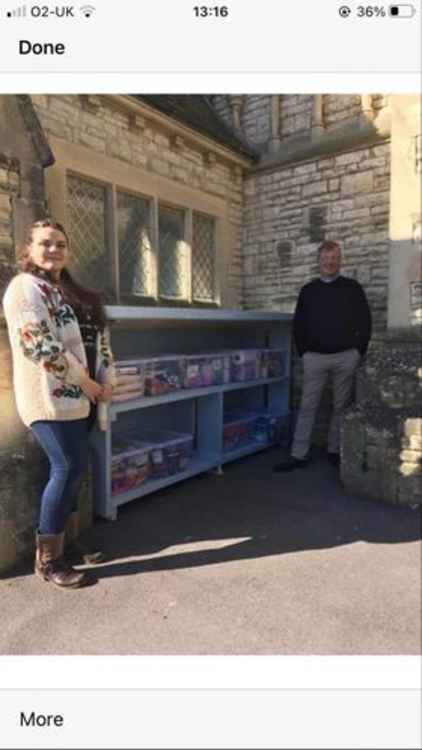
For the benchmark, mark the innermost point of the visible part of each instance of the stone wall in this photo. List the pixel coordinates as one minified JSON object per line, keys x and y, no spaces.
{"x":290,"y":210}
{"x":23,"y":156}
{"x":339,"y":193}
{"x":382,"y":437}
{"x":255,"y":119}
{"x":9,"y":188}
{"x":295,"y":114}
{"x":343,"y":197}
{"x":382,"y":433}
{"x":21,"y":195}
{"x":107,"y":129}
{"x":255,"y":114}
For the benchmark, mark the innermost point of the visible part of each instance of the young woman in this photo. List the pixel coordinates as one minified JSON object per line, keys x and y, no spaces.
{"x":62,"y":369}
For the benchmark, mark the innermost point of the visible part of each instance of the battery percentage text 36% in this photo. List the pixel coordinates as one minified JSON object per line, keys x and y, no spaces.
{"x":371,"y":11}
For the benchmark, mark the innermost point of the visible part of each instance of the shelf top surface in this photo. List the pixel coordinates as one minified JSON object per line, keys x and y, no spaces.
{"x":116,"y":313}
{"x":185,"y":394}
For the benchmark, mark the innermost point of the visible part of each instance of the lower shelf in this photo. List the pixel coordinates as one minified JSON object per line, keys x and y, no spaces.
{"x":196,"y":466}
{"x":245,"y":450}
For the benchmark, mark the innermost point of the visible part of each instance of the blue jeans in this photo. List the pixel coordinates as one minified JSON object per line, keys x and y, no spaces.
{"x":66,"y":445}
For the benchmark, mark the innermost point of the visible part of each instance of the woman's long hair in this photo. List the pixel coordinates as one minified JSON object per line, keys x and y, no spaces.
{"x":76,"y":295}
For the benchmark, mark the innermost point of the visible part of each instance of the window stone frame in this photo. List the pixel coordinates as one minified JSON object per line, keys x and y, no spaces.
{"x":118,"y":176}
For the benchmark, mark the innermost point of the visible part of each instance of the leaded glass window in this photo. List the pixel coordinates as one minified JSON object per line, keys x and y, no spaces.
{"x":127,"y":262}
{"x":203,"y":258}
{"x":135,"y":245}
{"x":86,"y":221}
{"x":173,"y":276}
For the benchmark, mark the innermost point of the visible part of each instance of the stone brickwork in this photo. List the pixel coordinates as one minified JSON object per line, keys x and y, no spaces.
{"x":295,"y":115}
{"x":105,"y":129}
{"x":255,"y":117}
{"x":382,"y":435}
{"x":9,"y":188}
{"x":282,"y":230}
{"x":20,"y":459}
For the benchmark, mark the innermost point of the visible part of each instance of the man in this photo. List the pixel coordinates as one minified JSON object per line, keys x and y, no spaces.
{"x":331,"y":329}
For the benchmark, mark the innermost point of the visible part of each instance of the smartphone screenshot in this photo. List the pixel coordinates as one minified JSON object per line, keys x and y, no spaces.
{"x":210,"y":375}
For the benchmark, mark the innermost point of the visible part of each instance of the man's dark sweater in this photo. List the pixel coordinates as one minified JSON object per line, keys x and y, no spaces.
{"x":331,"y":317}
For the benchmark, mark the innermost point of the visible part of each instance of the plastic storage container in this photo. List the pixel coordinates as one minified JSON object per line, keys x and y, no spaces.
{"x":271,"y":428}
{"x":273,"y":363}
{"x":242,"y":427}
{"x":207,"y":370}
{"x":164,"y":374}
{"x":130,"y":464}
{"x":169,"y":452}
{"x":198,"y":371}
{"x":245,"y":365}
{"x":221,"y":365}
{"x":237,"y":430}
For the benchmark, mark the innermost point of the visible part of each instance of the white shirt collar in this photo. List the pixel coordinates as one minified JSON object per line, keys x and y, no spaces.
{"x":328,"y":281}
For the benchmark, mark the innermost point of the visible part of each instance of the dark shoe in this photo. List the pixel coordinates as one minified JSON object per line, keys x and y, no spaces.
{"x":51,"y":566}
{"x":291,"y":463}
{"x":75,"y":551}
{"x":334,"y":459}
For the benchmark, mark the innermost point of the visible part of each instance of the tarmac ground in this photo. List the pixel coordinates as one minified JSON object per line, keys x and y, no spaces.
{"x":250,"y":562}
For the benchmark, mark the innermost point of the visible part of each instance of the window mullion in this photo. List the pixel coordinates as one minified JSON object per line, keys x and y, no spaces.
{"x":112,"y":234}
{"x":189,"y":254}
{"x":155,"y":260}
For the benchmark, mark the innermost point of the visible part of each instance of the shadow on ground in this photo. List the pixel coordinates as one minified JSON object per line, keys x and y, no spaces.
{"x":248,"y":512}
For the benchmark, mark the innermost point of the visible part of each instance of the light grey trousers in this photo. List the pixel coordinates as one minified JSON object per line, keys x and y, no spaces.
{"x":316,"y":369}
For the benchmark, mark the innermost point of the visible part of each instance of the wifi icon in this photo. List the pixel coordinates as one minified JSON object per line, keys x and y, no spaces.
{"x":87,"y":10}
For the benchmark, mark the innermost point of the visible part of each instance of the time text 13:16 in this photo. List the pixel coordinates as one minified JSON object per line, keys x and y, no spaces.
{"x":211,"y":11}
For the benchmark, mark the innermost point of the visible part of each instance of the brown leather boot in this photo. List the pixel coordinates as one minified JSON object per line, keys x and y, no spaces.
{"x":74,"y":549}
{"x":51,"y":566}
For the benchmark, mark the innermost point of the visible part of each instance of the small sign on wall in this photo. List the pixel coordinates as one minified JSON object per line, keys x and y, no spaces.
{"x":317,"y":222}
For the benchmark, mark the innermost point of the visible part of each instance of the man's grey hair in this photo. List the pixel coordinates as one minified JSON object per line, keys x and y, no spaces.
{"x":328,"y":245}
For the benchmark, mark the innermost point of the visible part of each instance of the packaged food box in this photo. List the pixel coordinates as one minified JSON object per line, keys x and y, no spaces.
{"x":170,"y":452}
{"x":130,"y":464}
{"x":130,"y":380}
{"x":273,"y":363}
{"x":245,"y":365}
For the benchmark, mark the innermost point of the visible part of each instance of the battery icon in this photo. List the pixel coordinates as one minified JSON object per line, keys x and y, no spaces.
{"x":402,"y":11}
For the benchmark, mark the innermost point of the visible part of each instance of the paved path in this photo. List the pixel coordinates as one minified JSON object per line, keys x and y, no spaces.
{"x":247,"y":563}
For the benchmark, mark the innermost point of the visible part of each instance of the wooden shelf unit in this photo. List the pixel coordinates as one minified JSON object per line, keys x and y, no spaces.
{"x":144,"y":331}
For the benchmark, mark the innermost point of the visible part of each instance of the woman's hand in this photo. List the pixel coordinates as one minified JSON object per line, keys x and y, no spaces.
{"x":92,"y":389}
{"x":107,"y":392}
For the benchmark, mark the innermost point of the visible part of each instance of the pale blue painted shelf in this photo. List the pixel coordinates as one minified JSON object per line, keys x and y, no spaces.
{"x":147,"y":331}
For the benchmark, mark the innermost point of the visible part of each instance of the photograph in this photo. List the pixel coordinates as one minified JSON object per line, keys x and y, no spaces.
{"x":210,"y":374}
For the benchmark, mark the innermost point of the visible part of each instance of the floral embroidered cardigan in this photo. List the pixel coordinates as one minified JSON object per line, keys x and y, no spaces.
{"x":49,"y":358}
